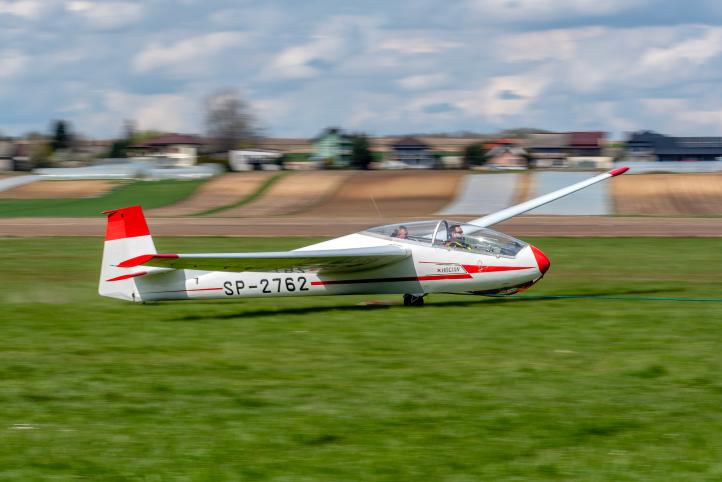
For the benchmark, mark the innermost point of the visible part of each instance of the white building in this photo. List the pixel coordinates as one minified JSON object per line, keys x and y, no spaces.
{"x":252,"y":159}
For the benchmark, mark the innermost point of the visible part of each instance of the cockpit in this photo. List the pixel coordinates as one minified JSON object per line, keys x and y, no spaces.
{"x":452,"y":235}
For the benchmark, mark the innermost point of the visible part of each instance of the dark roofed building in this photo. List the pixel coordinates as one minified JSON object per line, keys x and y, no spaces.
{"x":586,"y":143}
{"x":412,"y":152}
{"x":647,"y":145}
{"x":548,"y":149}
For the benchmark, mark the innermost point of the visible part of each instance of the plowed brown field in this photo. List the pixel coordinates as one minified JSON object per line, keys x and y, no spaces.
{"x":293,"y":193}
{"x":221,"y":191}
{"x":383,"y":194}
{"x":59,"y":189}
{"x":668,"y":194}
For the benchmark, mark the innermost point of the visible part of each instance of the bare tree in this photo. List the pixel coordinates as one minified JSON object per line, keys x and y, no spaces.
{"x":229,"y":121}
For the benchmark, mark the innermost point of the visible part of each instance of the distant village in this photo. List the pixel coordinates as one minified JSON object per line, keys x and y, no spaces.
{"x":334,"y":148}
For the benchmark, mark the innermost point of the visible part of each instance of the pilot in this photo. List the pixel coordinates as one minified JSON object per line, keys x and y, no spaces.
{"x":456,"y":237}
{"x":401,"y":232}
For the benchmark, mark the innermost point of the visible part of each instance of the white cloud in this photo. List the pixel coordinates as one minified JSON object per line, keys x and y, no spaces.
{"x":271,"y":109}
{"x":608,"y":60}
{"x":336,"y":39}
{"x":105,"y":14}
{"x":423,"y":81}
{"x":417,"y":45}
{"x":12,"y":63}
{"x":186,"y":56}
{"x":535,"y":10}
{"x":504,"y":96}
{"x":607,"y":113}
{"x":694,"y":51}
{"x":167,"y":112}
{"x":680,"y":117}
{"x":500,"y":98}
{"x":546,"y":44}
{"x":29,"y":9}
{"x":295,"y":62}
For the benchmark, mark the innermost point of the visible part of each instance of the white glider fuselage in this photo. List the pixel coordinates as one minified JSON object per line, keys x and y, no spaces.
{"x":427,"y":269}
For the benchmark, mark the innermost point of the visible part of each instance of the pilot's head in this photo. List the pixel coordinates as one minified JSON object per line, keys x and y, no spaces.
{"x":456,"y":231}
{"x":402,"y":232}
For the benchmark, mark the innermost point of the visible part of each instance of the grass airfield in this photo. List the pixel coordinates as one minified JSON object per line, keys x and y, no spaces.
{"x":295,"y":389}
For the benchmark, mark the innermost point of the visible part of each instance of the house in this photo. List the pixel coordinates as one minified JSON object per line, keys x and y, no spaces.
{"x":411,"y":153}
{"x":254,"y":159}
{"x":7,"y":152}
{"x":587,"y":150}
{"x":651,"y":146}
{"x":549,"y":149}
{"x":332,"y":147}
{"x":174,"y":149}
{"x":586,"y":144}
{"x":505,"y":153}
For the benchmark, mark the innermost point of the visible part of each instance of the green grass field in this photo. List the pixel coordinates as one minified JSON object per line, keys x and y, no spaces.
{"x":152,"y":194}
{"x":305,"y":389}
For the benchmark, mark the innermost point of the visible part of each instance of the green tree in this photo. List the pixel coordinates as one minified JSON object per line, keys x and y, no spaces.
{"x":361,"y":155}
{"x":474,"y":155}
{"x":62,"y":139}
{"x":119,"y":148}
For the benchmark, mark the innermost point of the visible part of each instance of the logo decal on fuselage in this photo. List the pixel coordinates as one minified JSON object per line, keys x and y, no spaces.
{"x":450,"y":268}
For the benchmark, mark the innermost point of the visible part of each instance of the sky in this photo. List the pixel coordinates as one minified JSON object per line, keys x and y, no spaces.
{"x":381,"y":67}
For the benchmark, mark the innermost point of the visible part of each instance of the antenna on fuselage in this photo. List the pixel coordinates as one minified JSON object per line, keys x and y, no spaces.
{"x":378,"y":211}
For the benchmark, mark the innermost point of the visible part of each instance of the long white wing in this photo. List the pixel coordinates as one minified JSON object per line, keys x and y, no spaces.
{"x":512,"y":211}
{"x":329,"y":260}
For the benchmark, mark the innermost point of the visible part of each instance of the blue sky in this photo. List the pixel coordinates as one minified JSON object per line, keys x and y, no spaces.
{"x":382,"y":67}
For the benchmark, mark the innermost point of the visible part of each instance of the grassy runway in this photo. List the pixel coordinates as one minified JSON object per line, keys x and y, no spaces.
{"x":302,"y":389}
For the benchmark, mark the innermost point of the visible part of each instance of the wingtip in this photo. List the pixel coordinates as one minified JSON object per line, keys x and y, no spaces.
{"x":618,"y":171}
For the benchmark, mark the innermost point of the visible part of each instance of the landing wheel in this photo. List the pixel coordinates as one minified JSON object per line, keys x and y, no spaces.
{"x":413,"y":300}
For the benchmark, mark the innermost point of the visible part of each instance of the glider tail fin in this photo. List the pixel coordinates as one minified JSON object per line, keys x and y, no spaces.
{"x":126,"y":236}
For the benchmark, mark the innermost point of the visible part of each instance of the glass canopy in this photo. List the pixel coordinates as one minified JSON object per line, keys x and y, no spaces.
{"x":453,"y":235}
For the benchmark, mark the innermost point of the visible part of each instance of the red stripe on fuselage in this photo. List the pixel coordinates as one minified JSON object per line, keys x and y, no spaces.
{"x":391,"y":280}
{"x":472,"y":268}
{"x":186,"y":291}
{"x":468,"y":268}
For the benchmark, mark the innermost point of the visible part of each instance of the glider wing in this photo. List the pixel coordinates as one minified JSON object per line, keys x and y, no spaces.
{"x":330,"y":260}
{"x":512,"y":211}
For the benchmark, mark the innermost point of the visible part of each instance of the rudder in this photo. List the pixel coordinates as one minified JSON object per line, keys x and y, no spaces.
{"x":126,"y":236}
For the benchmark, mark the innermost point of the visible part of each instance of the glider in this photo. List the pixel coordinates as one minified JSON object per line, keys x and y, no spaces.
{"x":413,"y":259}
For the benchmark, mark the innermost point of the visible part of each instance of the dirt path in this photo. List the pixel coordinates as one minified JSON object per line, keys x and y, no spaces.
{"x":293,"y":193}
{"x":216,"y":193}
{"x":578,"y":226}
{"x":59,"y":189}
{"x":668,"y":194}
{"x":386,"y":194}
{"x":524,"y":187}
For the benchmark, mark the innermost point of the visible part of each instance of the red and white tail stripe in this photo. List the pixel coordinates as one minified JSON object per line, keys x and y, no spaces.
{"x":126,"y":236}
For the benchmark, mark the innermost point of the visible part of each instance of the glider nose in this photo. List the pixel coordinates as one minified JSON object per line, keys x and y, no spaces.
{"x":541,"y":260}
